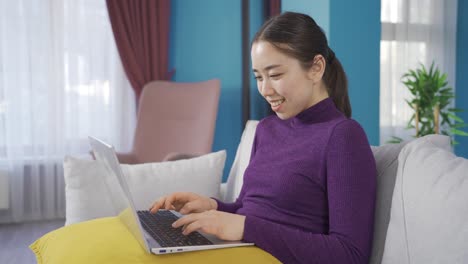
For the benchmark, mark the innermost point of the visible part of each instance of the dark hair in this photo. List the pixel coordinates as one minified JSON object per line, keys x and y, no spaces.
{"x":297,"y":35}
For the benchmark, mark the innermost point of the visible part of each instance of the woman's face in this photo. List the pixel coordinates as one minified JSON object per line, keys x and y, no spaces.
{"x":288,"y":88}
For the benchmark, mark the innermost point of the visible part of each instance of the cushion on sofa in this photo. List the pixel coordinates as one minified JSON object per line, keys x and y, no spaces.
{"x":429,"y":214}
{"x":87,"y":195}
{"x":386,"y":159}
{"x":107,"y":240}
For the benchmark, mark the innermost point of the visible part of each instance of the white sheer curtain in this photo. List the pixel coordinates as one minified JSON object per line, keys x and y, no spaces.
{"x":413,"y":32}
{"x":61,"y":80}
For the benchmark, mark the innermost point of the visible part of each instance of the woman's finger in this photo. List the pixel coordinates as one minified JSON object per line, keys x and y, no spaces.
{"x":194,"y":226}
{"x":185,"y":220}
{"x":189,"y":207}
{"x":157,"y":205}
{"x":178,"y":205}
{"x":168,"y":204}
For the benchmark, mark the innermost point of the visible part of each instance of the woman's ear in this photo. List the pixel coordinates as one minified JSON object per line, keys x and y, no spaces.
{"x":317,"y":69}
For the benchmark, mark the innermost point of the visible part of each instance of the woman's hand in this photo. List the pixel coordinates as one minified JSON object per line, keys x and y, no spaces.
{"x":185,"y":203}
{"x":221,"y":224}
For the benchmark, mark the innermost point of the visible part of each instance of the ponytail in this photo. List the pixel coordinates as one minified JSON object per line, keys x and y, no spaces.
{"x":337,"y":84}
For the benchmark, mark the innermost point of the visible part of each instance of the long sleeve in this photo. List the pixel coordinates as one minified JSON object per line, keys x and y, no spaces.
{"x":229,"y":207}
{"x":351,"y":182}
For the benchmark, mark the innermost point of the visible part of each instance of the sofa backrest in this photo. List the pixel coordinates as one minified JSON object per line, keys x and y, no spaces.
{"x":429,"y":214}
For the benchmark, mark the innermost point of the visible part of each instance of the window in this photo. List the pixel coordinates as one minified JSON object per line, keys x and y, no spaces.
{"x":61,"y":79}
{"x":413,"y":32}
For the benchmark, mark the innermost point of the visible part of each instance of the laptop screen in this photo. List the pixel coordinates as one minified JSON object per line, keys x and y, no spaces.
{"x":117,"y":189}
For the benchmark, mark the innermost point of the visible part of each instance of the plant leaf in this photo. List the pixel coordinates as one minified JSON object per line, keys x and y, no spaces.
{"x":455,"y":110}
{"x":454,"y":117}
{"x":394,"y":140}
{"x":459,"y":125}
{"x":458,"y":132}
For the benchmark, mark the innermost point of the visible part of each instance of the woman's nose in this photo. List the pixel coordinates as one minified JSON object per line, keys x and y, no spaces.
{"x":265,"y":88}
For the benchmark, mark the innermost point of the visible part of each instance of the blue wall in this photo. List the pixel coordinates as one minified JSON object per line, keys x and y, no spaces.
{"x":355,"y":38}
{"x":461,"y":90}
{"x":205,"y":43}
{"x":319,"y":10}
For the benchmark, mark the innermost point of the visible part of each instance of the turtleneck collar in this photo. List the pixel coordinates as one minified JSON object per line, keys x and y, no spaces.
{"x":316,"y":113}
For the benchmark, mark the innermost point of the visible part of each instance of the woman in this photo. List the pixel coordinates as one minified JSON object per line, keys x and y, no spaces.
{"x":309,"y":190}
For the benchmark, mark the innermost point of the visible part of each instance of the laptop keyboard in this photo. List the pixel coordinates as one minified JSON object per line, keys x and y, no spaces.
{"x":159,"y":226}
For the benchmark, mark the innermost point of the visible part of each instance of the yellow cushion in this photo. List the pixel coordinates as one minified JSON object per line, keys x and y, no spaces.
{"x":107,"y":240}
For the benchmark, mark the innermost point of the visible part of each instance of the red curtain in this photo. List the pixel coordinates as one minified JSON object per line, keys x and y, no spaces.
{"x":141,"y":31}
{"x":274,"y":8}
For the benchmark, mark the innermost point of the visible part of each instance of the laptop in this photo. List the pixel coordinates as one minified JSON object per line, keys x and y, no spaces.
{"x":153,"y":231}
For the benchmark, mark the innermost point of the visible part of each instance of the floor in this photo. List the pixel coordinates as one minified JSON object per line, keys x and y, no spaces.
{"x":16,"y":238}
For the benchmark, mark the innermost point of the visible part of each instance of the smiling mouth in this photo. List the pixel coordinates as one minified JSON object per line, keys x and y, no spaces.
{"x":275,"y":105}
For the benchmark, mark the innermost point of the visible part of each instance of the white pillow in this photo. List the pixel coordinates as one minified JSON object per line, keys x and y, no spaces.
{"x":87,"y":196}
{"x":429,"y":214}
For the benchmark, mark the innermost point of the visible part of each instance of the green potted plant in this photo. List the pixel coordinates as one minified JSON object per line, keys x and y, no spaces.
{"x":431,"y":104}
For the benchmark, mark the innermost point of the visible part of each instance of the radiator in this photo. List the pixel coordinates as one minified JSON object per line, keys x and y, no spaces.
{"x":4,"y":190}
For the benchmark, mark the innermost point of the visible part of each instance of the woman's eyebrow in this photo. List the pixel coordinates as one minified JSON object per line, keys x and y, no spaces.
{"x":267,"y":68}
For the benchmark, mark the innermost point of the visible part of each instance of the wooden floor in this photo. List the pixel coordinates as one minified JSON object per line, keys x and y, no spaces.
{"x":16,"y":238}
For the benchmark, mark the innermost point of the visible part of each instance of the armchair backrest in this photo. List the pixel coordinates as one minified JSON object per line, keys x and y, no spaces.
{"x":176,"y":117}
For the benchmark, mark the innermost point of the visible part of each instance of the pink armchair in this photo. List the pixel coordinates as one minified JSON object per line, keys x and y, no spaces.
{"x":175,"y":121}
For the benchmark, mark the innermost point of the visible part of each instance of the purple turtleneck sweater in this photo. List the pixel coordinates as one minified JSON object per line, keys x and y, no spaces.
{"x":309,"y":189}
